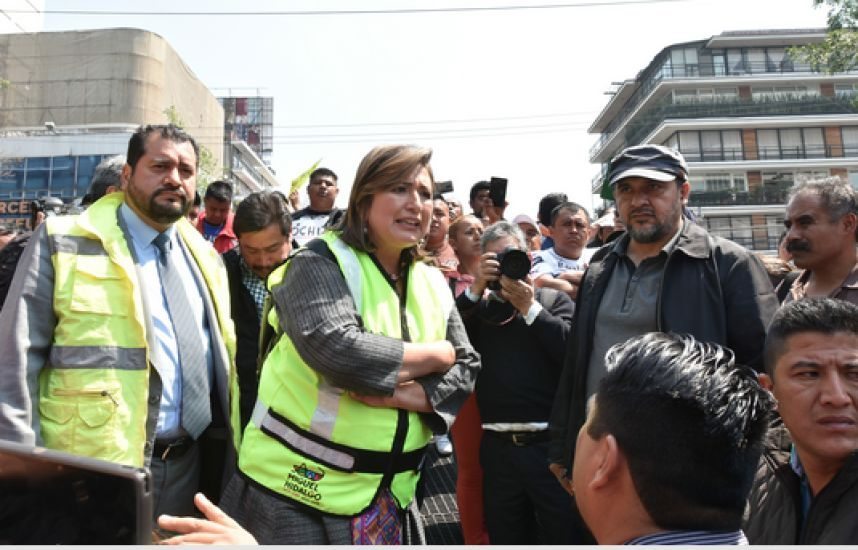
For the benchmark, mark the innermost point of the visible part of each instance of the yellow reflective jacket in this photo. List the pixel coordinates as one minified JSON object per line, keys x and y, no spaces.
{"x":314,"y":444}
{"x":94,"y":390}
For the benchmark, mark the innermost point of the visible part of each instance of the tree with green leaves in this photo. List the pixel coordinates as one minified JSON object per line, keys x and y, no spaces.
{"x":839,"y":51}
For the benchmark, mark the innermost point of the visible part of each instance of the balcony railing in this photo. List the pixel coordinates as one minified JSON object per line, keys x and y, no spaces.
{"x":697,"y":70}
{"x":783,"y":152}
{"x":784,"y":105}
{"x":765,"y":194}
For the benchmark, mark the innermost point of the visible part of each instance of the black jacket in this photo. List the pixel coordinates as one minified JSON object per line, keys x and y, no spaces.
{"x":775,"y":500}
{"x":711,"y":288}
{"x":246,"y":320}
{"x":9,"y":256}
{"x":521,"y":362}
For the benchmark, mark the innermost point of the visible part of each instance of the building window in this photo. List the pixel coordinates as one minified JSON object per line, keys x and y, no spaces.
{"x":774,"y":59}
{"x":849,"y":135}
{"x":733,"y":149}
{"x":736,"y":228}
{"x":767,"y":144}
{"x":85,"y":170}
{"x":769,"y":92}
{"x":689,"y":145}
{"x":708,"y":145}
{"x":38,"y":178}
{"x":853,"y":178}
{"x":62,"y":177}
{"x":717,"y":182}
{"x":684,"y":96}
{"x":736,"y":62}
{"x":11,"y":177}
{"x":67,"y":177}
{"x":683,"y":62}
{"x":774,"y":229}
{"x":724,"y":181}
{"x":846,"y":89}
{"x":757,"y":60}
{"x":802,"y":176}
{"x":711,"y":145}
{"x":791,"y":143}
{"x":814,"y":143}
{"x":705,"y":95}
{"x":719,"y":63}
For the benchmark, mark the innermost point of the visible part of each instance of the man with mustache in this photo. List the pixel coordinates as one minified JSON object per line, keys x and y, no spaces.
{"x":666,"y":274}
{"x":264,"y":230}
{"x":822,"y":221}
{"x":120,"y":345}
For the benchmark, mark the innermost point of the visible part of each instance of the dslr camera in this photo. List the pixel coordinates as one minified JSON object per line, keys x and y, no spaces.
{"x":514,"y":263}
{"x":49,"y":206}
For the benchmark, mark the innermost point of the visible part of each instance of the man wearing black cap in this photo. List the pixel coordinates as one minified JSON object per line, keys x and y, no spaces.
{"x":666,"y":274}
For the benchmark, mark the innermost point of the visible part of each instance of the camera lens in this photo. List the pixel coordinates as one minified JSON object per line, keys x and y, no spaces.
{"x":514,"y":263}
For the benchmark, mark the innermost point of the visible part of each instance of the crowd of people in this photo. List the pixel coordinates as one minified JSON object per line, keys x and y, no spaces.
{"x":281,"y":371}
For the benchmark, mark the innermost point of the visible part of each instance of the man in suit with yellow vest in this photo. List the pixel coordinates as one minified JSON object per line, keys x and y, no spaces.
{"x":120,"y":344}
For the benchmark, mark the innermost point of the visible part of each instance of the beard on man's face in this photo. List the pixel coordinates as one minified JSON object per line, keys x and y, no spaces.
{"x":657,"y":230}
{"x":649,"y":234}
{"x":167,"y":212}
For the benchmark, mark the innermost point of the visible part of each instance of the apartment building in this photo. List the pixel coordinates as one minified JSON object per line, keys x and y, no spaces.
{"x":750,"y":119}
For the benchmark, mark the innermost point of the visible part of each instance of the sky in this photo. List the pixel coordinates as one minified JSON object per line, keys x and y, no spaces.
{"x":494,"y":92}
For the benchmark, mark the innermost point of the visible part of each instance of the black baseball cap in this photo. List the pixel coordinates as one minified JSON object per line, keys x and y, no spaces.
{"x":655,"y":162}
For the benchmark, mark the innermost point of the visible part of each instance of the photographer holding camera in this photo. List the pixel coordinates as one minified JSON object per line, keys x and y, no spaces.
{"x":43,"y":208}
{"x":520,"y":332}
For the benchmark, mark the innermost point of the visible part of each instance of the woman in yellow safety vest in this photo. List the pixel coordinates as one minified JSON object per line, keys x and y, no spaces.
{"x":369,"y":360}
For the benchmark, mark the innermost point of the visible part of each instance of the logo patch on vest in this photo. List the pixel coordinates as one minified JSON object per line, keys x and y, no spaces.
{"x":304,"y":482}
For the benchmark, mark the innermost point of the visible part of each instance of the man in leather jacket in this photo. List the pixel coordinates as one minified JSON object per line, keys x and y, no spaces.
{"x":666,"y":274}
{"x":807,"y":492}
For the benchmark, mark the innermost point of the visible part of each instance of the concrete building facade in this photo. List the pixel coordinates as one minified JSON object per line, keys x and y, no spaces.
{"x":750,"y":120}
{"x":80,"y":94}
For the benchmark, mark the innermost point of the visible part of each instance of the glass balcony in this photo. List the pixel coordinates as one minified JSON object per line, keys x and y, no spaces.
{"x":784,"y":105}
{"x":654,"y":74}
{"x":765,"y":194}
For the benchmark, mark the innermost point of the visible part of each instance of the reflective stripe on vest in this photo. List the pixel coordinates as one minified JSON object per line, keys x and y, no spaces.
{"x":106,"y":357}
{"x":328,"y":405}
{"x":341,"y":458}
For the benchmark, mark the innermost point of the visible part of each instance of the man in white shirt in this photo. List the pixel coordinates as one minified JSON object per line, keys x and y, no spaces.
{"x":309,"y":223}
{"x":556,"y":267}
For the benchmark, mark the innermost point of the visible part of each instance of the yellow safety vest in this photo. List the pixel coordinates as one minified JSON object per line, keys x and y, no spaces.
{"x":311,"y":442}
{"x":94,"y":389}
